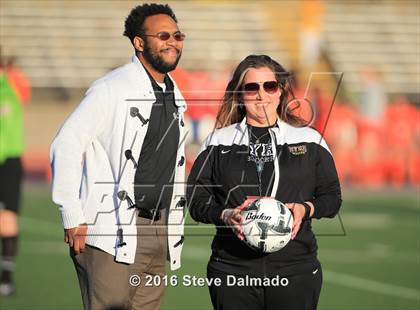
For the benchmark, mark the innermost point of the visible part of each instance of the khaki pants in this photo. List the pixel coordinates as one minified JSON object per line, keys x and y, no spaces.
{"x":105,"y":284}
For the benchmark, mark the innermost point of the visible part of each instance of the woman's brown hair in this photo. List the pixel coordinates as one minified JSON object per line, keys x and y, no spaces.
{"x":232,"y":109}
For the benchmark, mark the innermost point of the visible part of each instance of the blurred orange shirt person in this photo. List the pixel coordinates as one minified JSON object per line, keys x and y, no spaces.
{"x":19,"y":82}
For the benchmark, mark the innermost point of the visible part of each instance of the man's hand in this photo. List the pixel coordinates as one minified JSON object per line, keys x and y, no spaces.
{"x":76,"y":237}
{"x":298,"y":211}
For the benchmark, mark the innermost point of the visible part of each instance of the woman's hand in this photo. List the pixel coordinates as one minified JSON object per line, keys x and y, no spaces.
{"x":233,"y":217}
{"x":298,"y":211}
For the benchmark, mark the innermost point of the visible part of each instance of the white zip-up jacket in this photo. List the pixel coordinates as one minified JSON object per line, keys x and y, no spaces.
{"x":89,"y":166}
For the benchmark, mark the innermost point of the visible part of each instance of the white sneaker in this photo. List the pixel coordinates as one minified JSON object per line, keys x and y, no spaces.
{"x":7,"y":289}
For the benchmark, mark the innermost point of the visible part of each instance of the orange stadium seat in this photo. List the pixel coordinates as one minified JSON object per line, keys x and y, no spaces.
{"x":414,"y":168}
{"x":341,"y":136}
{"x":401,"y":146}
{"x":36,"y":164}
{"x":370,"y":167}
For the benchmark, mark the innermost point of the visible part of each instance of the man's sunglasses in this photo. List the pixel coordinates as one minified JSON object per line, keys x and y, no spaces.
{"x":270,"y":87}
{"x":165,"y":36}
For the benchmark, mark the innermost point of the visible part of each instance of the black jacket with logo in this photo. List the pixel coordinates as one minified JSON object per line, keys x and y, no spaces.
{"x":220,"y":178}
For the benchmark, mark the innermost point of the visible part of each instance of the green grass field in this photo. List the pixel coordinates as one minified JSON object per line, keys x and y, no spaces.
{"x":375,"y":265}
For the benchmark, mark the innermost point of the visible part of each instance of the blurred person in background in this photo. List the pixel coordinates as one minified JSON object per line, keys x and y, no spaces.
{"x":118,"y":167}
{"x":311,"y":17}
{"x":262,"y":149}
{"x":14,"y":92}
{"x":373,"y":99}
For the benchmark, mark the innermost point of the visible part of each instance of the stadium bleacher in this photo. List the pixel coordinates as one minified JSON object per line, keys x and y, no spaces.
{"x":70,"y":43}
{"x":385,"y":34}
{"x":65,"y":45}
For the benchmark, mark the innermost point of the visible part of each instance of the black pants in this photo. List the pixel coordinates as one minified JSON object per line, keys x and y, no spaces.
{"x":11,"y":174}
{"x":301,"y":293}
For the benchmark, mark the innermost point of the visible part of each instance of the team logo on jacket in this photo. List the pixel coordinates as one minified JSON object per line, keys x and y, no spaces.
{"x":298,"y":149}
{"x":260,"y":152}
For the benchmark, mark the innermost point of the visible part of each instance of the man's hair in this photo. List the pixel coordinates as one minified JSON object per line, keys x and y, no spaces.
{"x":134,"y":24}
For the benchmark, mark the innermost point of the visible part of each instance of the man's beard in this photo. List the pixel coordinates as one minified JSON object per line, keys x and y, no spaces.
{"x":157,"y":61}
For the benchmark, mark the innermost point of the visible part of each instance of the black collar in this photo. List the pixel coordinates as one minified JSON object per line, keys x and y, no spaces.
{"x":168,"y":83}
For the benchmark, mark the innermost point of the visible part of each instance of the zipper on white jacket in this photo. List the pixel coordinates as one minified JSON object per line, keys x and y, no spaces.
{"x":123,"y":195}
{"x":134,"y":112}
{"x":129,"y":156}
{"x":178,"y":116}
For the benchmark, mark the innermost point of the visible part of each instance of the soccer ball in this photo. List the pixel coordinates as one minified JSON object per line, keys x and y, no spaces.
{"x":267,"y":225}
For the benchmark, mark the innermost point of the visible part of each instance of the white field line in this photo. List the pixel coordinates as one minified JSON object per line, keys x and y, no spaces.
{"x":200,"y":254}
{"x":374,"y":251}
{"x":359,"y":283}
{"x":350,"y":281}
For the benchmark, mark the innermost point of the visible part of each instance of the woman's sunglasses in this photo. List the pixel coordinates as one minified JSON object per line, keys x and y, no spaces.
{"x":269,"y":87}
{"x":164,"y":36}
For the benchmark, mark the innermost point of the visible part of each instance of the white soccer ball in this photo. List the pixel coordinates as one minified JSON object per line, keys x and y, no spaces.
{"x":267,"y":225}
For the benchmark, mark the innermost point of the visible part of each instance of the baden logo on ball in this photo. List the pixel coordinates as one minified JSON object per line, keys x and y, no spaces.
{"x":268,"y":225}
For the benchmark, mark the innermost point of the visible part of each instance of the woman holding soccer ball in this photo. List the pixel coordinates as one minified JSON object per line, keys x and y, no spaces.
{"x":261,"y":149}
